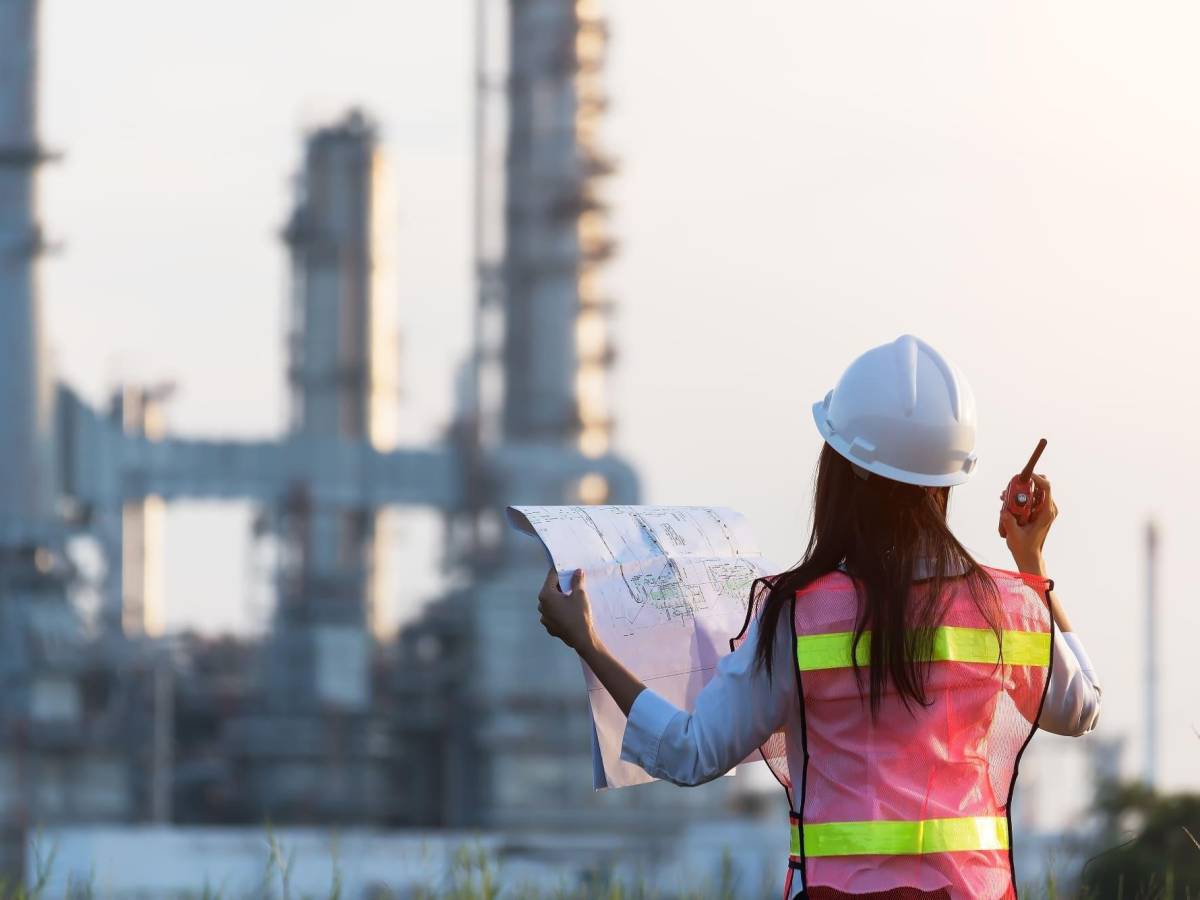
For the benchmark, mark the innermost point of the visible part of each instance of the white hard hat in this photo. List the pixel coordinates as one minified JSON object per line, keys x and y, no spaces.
{"x":903,"y":411}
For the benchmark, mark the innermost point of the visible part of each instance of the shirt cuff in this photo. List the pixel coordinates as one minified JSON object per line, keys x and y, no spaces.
{"x":1085,"y":664}
{"x":648,"y":720}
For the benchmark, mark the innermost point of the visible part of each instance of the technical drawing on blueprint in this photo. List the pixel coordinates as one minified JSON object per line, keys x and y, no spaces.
{"x":668,"y":586}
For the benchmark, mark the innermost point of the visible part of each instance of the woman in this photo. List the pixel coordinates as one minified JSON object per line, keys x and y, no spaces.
{"x":890,"y":680}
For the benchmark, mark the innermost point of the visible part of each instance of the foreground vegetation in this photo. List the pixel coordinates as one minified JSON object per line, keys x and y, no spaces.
{"x":1148,"y":848}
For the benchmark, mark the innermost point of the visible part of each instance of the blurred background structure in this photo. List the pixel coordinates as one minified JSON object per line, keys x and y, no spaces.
{"x":459,"y":722}
{"x":65,"y":754}
{"x":119,"y":735}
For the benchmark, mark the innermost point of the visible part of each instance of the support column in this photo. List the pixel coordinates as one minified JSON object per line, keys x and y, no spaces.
{"x":27,"y":493}
{"x":1150,"y":772}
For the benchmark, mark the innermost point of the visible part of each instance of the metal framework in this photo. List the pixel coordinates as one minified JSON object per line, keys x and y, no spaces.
{"x":326,"y":485}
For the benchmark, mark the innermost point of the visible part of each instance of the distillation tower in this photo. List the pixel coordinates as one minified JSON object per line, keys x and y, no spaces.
{"x":504,"y":743}
{"x":556,"y":348}
{"x":319,"y":751}
{"x":27,"y":492}
{"x":56,"y":760}
{"x":342,"y":379}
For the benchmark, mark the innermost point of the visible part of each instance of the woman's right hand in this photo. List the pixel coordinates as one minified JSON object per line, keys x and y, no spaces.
{"x":1025,"y":542}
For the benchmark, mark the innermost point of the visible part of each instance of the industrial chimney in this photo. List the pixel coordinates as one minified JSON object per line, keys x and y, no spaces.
{"x":27,"y":492}
{"x":1150,"y":775}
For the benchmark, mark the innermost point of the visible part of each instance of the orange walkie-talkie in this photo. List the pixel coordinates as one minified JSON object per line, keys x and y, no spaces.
{"x":1022,"y":498}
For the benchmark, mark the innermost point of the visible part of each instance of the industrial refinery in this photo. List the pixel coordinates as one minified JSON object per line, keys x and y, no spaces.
{"x":456,"y":724}
{"x":458,"y":721}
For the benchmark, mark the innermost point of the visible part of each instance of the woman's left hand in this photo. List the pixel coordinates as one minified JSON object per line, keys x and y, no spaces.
{"x":567,"y":617}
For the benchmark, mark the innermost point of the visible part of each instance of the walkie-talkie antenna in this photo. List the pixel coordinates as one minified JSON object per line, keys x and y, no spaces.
{"x":1027,"y":472}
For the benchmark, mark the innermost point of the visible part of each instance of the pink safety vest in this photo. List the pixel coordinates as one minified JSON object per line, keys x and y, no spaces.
{"x":913,"y":804}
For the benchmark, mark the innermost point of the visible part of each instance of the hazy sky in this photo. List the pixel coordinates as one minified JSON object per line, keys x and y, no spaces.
{"x":1015,"y":182}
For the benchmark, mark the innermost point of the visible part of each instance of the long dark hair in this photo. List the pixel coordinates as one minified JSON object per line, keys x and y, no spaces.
{"x":878,"y":528}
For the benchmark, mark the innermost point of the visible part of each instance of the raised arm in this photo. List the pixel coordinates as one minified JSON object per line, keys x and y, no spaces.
{"x":1072,"y":705}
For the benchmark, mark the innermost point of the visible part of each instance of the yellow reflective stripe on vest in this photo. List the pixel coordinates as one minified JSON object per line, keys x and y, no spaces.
{"x":950,"y":644}
{"x":902,"y":838}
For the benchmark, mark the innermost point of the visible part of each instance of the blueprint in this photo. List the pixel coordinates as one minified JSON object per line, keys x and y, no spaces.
{"x":668,"y":587}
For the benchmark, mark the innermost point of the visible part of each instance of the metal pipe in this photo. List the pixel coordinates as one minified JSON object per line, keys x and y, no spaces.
{"x":27,"y":493}
{"x":1150,"y":775}
{"x":475,"y":411}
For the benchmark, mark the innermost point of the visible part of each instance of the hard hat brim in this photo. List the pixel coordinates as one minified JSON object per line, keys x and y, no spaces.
{"x":875,"y":467}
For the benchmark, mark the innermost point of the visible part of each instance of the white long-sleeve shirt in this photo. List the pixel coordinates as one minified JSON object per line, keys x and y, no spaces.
{"x":741,"y":707}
